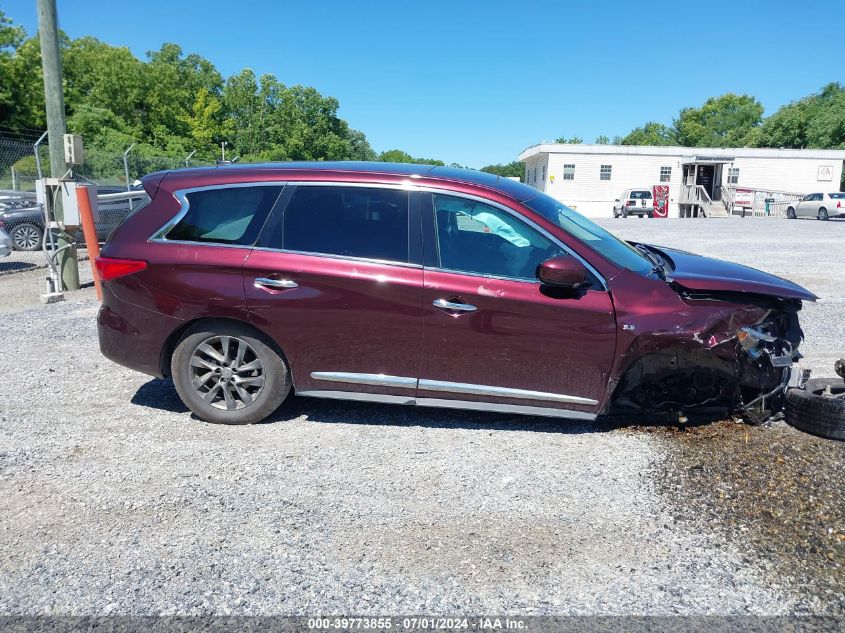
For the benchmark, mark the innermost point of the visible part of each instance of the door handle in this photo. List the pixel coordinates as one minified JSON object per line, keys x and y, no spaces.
{"x":449,"y":306}
{"x":274,"y":284}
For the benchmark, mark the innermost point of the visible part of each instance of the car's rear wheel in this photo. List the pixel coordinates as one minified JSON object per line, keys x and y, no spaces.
{"x":228,"y":373}
{"x":790,"y":213}
{"x":26,"y":237}
{"x":624,"y":213}
{"x":823,"y":214}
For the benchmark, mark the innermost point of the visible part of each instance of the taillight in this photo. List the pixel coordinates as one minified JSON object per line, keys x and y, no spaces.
{"x":111,"y":268}
{"x":838,"y":206}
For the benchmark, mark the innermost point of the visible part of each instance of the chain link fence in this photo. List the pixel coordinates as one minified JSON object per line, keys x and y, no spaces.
{"x":22,"y":219}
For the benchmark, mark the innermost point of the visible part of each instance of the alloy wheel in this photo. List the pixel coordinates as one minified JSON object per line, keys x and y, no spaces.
{"x":26,"y":238}
{"x":226,"y":372}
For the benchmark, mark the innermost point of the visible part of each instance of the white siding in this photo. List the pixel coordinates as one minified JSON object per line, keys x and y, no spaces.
{"x":783,"y":170}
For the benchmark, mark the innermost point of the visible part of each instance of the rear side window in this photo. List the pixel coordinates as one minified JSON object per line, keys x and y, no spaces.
{"x":838,"y":196}
{"x":362,"y":222}
{"x":640,"y":195}
{"x":227,"y":215}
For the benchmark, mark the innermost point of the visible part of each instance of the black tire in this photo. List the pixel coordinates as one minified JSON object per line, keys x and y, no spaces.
{"x":275,"y":387}
{"x":624,"y":213}
{"x":650,"y":214}
{"x":26,"y":237}
{"x":811,"y":412}
{"x":823,"y":214}
{"x":790,"y":213}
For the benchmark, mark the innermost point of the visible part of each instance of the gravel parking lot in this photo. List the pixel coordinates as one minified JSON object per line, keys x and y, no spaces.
{"x":114,"y":499}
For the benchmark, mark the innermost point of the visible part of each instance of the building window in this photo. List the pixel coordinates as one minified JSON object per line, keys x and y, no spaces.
{"x":604,"y":172}
{"x":665,"y":174}
{"x":544,"y":173}
{"x":569,"y":172}
{"x":534,"y":177}
{"x":733,"y":175}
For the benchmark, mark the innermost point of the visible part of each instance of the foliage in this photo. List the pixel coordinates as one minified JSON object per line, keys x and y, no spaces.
{"x":574,"y":140}
{"x":652,"y":133}
{"x":398,"y":156}
{"x":515,"y":168}
{"x":601,"y":139}
{"x":816,"y":121}
{"x":726,"y":121}
{"x":172,"y":104}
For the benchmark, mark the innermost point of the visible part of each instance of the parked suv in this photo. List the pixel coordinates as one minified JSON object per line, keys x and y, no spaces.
{"x":634,"y":202}
{"x":427,"y":286}
{"x":818,"y":205}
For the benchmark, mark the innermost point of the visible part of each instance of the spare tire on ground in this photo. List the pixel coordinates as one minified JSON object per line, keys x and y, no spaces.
{"x":810,"y":411}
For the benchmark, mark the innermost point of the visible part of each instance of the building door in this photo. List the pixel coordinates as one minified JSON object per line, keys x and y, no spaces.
{"x":706,"y":178}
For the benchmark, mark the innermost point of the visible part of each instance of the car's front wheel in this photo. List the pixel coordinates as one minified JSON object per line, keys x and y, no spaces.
{"x":790,"y":213}
{"x":228,"y":373}
{"x":26,"y":237}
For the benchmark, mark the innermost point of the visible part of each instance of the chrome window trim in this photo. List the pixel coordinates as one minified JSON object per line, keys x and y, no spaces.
{"x":378,"y":380}
{"x":501,"y":392}
{"x":368,"y":260}
{"x":181,"y":196}
{"x":491,"y":407}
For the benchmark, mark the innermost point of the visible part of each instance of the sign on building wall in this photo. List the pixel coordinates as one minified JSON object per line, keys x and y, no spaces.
{"x":661,"y":201}
{"x":825,"y":173}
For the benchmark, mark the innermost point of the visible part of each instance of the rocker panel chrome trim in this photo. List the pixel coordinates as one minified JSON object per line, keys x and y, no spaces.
{"x":450,"y":404}
{"x":377,"y":380}
{"x":501,"y":392}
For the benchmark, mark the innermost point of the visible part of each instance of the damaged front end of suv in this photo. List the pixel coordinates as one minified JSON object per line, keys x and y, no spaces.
{"x":714,"y":345}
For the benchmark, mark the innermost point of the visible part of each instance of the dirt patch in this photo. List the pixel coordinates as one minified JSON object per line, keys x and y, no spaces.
{"x":774,"y":492}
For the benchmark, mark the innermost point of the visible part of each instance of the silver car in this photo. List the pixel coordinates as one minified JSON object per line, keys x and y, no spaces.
{"x":5,"y":244}
{"x":818,"y":205}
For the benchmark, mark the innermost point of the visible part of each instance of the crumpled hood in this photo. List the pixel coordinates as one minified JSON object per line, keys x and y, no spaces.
{"x":706,"y":273}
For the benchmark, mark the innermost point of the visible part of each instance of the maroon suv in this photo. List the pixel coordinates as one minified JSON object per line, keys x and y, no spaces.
{"x":432,"y":286}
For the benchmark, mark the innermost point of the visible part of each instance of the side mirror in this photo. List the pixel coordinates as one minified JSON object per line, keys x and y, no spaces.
{"x":563,"y":271}
{"x":617,"y":200}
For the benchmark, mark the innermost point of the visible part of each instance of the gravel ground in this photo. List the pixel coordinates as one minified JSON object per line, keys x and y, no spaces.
{"x":123,"y":503}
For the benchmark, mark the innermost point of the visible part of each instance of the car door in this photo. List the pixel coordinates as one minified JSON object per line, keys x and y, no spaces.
{"x":492,"y":336}
{"x":336,"y":280}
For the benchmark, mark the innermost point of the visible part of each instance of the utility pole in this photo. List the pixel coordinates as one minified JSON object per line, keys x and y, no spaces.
{"x":51,"y":64}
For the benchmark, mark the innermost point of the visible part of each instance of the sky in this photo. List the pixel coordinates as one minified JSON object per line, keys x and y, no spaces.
{"x":477,"y":82}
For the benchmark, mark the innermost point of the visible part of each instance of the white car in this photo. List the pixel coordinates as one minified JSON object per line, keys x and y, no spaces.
{"x":634,"y":202}
{"x":5,"y":244}
{"x":818,"y":205}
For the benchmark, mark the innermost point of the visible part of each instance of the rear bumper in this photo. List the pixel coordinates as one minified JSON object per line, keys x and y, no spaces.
{"x":133,"y":336}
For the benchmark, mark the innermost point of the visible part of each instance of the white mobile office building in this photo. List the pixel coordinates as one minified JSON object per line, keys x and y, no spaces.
{"x":708,"y":180}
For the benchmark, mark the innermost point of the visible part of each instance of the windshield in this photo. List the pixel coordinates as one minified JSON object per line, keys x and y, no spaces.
{"x":618,"y":251}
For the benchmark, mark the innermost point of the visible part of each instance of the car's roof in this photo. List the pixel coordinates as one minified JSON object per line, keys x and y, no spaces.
{"x":512,"y":188}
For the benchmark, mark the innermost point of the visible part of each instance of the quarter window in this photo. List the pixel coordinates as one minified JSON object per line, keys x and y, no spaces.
{"x":733,"y":175}
{"x":473,"y":237}
{"x":230,"y":215}
{"x":350,"y":221}
{"x":569,"y":172}
{"x":604,"y":172}
{"x":665,"y":174}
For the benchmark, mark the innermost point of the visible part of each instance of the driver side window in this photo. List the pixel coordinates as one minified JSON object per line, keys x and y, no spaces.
{"x":477,"y":238}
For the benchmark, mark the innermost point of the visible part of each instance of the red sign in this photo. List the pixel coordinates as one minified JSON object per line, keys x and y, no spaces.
{"x":661,"y":201}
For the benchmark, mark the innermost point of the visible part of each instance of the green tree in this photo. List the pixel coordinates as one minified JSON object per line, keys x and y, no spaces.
{"x":602,"y":140}
{"x":652,"y":133}
{"x":726,"y":121}
{"x":512,"y":169}
{"x":573,"y":140}
{"x":816,"y":121}
{"x":399,"y":156}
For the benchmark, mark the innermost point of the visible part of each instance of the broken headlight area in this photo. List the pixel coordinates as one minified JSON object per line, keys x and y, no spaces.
{"x":722,"y":367}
